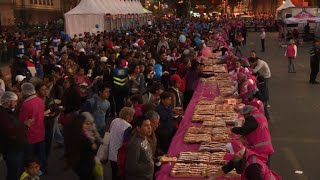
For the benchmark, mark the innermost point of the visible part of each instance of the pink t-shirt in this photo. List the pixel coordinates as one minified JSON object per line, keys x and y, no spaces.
{"x":33,"y":108}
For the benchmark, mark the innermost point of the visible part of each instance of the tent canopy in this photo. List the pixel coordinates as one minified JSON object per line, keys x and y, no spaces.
{"x":90,"y":15}
{"x":86,"y":7}
{"x":108,"y":7}
{"x":302,"y":18}
{"x":285,"y":5}
{"x":304,"y":14}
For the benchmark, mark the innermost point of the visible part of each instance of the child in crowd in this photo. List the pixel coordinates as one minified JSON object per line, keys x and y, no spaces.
{"x":32,"y":170}
{"x":90,"y":130}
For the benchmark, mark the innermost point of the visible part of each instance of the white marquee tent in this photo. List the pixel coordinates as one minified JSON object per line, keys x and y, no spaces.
{"x":100,"y":15}
{"x":285,"y":5}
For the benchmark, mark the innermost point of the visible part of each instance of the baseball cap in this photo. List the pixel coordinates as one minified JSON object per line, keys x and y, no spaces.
{"x":82,"y":50}
{"x":20,"y":78}
{"x":175,"y":78}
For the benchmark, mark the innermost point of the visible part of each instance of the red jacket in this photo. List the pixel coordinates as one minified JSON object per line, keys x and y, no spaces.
{"x":33,"y":108}
{"x":291,"y":52}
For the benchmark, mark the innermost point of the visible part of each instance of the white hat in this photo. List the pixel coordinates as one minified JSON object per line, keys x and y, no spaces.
{"x":82,"y":50}
{"x":116,"y":47}
{"x":135,"y":45}
{"x":20,"y":78}
{"x":103,"y":59}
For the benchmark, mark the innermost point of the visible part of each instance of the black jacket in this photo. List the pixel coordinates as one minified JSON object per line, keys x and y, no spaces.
{"x":12,"y":132}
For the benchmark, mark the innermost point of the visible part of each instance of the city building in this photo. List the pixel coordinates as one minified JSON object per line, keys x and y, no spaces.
{"x":31,"y":11}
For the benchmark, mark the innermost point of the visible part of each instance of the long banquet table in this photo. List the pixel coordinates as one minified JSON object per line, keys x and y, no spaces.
{"x":177,"y":145}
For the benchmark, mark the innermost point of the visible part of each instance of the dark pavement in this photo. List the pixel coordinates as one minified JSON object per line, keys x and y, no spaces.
{"x":295,"y":112}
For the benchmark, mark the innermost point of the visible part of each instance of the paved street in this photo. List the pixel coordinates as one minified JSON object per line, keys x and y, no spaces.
{"x":294,"y":111}
{"x":294,"y":124}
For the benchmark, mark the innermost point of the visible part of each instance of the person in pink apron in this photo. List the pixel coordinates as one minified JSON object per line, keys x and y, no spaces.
{"x":247,"y":163}
{"x":253,"y":98}
{"x":255,"y":132}
{"x":243,"y":83}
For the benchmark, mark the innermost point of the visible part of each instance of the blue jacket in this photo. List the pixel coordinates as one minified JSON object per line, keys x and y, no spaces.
{"x":99,"y":109}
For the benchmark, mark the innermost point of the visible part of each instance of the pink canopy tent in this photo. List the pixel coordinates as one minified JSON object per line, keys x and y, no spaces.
{"x":302,"y":18}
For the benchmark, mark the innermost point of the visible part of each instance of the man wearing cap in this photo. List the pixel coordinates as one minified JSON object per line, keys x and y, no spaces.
{"x":255,"y":132}
{"x":12,"y":136}
{"x":32,"y":115}
{"x":20,"y":79}
{"x":83,"y":59}
{"x":247,"y":163}
{"x":314,"y":62}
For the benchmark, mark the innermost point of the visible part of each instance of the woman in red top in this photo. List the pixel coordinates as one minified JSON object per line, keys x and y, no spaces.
{"x":291,"y":53}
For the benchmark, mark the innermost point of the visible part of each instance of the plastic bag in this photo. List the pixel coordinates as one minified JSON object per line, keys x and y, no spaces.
{"x":98,"y":169}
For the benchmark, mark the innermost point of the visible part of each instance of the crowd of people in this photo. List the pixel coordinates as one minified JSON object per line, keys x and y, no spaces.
{"x":127,"y":89}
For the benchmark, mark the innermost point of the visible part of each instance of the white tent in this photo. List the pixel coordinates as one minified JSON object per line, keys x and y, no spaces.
{"x":285,"y":5}
{"x":104,"y":14}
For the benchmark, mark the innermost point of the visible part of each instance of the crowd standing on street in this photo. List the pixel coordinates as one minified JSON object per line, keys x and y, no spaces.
{"x":127,"y":89}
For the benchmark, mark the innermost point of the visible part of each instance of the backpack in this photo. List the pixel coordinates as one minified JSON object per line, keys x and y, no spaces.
{"x":122,"y":157}
{"x":121,"y":160}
